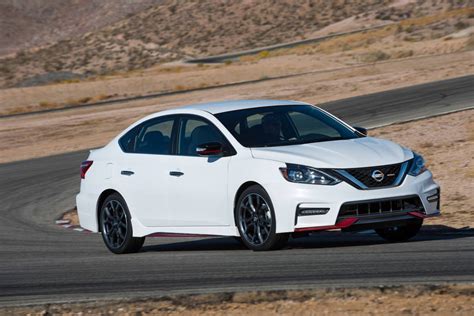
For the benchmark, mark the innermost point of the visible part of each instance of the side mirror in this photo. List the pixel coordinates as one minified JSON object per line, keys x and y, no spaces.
{"x":209,"y":149}
{"x":361,"y":130}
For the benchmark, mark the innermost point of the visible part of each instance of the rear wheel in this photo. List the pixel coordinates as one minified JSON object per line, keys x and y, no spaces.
{"x":116,"y":226}
{"x":256,"y":221}
{"x":400,"y":233}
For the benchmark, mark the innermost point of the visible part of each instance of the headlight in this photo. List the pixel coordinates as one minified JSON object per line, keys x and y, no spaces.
{"x":303,"y":174}
{"x":417,"y":166}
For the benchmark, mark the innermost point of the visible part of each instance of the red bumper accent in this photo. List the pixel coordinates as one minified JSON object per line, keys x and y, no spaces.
{"x":177,"y":235}
{"x":342,"y":224}
{"x":417,"y":214}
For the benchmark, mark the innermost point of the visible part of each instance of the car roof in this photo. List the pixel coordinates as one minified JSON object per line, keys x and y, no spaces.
{"x":226,"y":106}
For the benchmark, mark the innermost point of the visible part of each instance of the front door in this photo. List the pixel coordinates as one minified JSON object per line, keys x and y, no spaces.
{"x":198,"y":185}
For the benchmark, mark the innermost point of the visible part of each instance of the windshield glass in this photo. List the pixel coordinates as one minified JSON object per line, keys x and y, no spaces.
{"x":283,"y":125}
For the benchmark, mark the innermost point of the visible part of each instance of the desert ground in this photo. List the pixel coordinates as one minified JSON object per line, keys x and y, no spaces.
{"x":431,"y":45}
{"x":46,"y":134}
{"x":406,"y":300}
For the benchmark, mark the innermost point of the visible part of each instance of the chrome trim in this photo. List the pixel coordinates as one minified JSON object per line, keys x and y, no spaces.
{"x":347,"y":175}
{"x":401,"y":174}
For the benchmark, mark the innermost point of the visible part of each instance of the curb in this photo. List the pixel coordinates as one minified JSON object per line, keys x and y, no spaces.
{"x":65,"y":223}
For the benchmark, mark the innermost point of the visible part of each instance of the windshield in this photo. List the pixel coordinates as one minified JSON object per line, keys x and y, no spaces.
{"x":284,"y":125}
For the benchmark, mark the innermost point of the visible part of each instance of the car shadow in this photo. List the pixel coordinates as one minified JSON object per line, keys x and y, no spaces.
{"x":318,"y":240}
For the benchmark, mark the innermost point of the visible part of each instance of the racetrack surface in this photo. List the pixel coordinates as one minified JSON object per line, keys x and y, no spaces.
{"x":42,"y":262}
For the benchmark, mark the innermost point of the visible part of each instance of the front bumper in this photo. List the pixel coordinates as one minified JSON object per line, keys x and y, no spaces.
{"x":328,"y":200}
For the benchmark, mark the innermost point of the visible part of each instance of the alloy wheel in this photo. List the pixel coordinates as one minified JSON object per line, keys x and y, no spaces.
{"x":255,"y":219}
{"x":114,"y":224}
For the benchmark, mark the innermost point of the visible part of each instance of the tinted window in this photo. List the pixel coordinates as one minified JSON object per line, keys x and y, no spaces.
{"x":155,"y":137}
{"x":127,"y":141}
{"x":283,"y":125}
{"x":141,"y":138}
{"x":195,"y":132}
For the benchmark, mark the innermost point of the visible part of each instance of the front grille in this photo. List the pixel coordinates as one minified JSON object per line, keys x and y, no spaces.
{"x":364,"y":175}
{"x":363,"y":178}
{"x":381,"y":207}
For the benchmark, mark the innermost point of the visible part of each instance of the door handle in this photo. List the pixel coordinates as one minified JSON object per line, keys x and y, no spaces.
{"x":127,"y":173}
{"x":176,"y":173}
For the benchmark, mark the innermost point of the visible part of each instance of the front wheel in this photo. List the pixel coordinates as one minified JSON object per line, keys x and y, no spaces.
{"x":400,"y":233}
{"x":256,"y":221}
{"x":116,"y":226}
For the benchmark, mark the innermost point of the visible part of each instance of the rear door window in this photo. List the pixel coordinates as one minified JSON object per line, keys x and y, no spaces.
{"x":151,"y":137}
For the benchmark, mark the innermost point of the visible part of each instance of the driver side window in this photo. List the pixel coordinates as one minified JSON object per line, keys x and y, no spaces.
{"x":195,"y":132}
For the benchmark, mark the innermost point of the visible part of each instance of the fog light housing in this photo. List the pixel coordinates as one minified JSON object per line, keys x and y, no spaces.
{"x":435,"y":198}
{"x":312,"y":211}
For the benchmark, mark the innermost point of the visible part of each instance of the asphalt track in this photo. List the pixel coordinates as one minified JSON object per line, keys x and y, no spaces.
{"x":41,"y":262}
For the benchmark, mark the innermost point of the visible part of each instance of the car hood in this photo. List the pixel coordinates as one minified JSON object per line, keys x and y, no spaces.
{"x":349,"y":153}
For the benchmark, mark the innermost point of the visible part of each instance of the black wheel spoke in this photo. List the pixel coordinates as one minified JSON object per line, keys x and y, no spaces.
{"x":114,"y":224}
{"x":255,"y":219}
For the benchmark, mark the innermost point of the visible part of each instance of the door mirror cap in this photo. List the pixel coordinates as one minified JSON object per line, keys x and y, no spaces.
{"x":209,"y":149}
{"x":361,"y":130}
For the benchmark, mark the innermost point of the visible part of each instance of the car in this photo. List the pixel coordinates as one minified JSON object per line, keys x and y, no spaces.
{"x":258,"y":170}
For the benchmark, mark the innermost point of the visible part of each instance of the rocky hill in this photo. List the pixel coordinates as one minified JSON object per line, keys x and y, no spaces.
{"x":173,"y":29}
{"x":30,"y":23}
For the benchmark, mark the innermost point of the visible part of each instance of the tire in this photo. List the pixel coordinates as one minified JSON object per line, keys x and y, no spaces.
{"x":116,"y":226}
{"x":400,"y":233}
{"x":256,"y":221}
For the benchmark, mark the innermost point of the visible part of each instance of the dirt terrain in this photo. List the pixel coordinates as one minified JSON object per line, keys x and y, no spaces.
{"x":406,"y":300}
{"x":75,"y":129}
{"x":174,"y":30}
{"x":31,"y":23}
{"x":398,"y":48}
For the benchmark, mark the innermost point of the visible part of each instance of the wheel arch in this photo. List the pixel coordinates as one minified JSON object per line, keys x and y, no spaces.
{"x":100,"y":202}
{"x":239,"y":192}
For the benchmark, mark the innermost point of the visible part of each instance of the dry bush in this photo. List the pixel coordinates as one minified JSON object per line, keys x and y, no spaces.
{"x":470,"y":42}
{"x":101,"y":97}
{"x":403,"y":54}
{"x":47,"y":105}
{"x":264,"y":54}
{"x":374,"y":56}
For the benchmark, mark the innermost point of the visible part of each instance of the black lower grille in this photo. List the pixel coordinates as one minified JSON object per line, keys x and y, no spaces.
{"x":383,"y":206}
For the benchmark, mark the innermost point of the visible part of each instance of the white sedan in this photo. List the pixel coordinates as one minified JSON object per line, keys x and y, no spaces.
{"x":261,"y":170}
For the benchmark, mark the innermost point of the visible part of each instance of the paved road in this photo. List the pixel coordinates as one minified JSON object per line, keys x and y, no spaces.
{"x":41,"y":262}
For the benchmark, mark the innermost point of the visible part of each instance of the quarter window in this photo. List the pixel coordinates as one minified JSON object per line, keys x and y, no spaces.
{"x":127,"y":141}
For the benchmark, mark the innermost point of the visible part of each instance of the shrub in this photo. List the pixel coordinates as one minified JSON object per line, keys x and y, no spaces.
{"x":375,"y":56}
{"x":84,"y":100}
{"x":47,"y":105}
{"x":264,"y":54}
{"x":470,"y":42}
{"x":404,"y":54}
{"x":461,"y":25}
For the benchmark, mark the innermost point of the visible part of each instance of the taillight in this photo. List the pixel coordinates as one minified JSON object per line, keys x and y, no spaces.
{"x":85,"y":165}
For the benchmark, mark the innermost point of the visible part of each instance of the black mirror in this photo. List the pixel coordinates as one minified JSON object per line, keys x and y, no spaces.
{"x":361,"y":130}
{"x":209,"y":149}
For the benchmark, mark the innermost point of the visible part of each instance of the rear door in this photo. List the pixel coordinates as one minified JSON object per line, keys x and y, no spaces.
{"x":144,"y":171}
{"x":198,"y":185}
